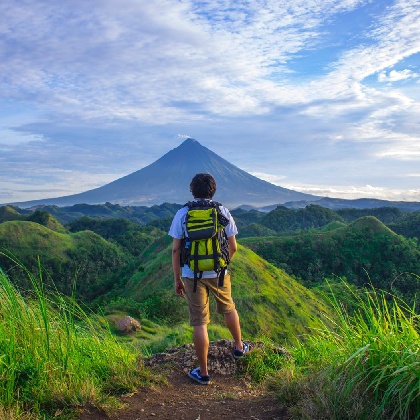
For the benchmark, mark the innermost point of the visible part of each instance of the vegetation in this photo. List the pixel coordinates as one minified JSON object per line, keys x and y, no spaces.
{"x":246,"y":217}
{"x":137,"y":214}
{"x":45,"y":219}
{"x":408,"y":227}
{"x":364,"y":252}
{"x":284,"y":220}
{"x":355,"y":353}
{"x":270,"y":301}
{"x":366,"y":367}
{"x":84,"y":260}
{"x":8,"y":213}
{"x":385,"y":214}
{"x":54,"y":357}
{"x":129,"y":235}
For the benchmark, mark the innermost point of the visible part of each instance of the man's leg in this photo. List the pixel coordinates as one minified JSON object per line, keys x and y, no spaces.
{"x":201,"y":344}
{"x":198,"y":303}
{"x":234,"y":326}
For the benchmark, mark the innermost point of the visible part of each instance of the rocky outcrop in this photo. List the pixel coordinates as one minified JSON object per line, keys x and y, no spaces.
{"x":220,"y":358}
{"x":128,"y":325}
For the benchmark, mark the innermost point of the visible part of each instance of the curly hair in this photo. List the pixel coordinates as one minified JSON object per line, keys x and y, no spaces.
{"x":203,"y":186}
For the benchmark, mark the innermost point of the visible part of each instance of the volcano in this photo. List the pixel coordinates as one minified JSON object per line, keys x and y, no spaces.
{"x":168,"y":180}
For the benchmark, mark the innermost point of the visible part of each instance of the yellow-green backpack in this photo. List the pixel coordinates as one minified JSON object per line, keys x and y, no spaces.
{"x":205,"y":247}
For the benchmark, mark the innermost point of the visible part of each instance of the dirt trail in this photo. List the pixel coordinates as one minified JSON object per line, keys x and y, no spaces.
{"x":183,"y":399}
{"x":228,"y":396}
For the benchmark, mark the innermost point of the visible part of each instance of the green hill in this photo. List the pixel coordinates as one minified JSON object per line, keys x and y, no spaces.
{"x":268,"y":300}
{"x":84,"y":257}
{"x":332,"y":226}
{"x":137,"y":214}
{"x":283,"y":220}
{"x":245,"y":217}
{"x":365,"y":251}
{"x":409,"y":227}
{"x":384,"y":214}
{"x":280,"y":221}
{"x":46,"y":219}
{"x":255,"y":229}
{"x":286,"y":221}
{"x":8,"y":213}
{"x":129,"y":235}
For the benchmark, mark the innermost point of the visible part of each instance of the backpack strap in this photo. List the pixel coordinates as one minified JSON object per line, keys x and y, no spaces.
{"x":205,"y":203}
{"x":202,"y":203}
{"x":221,"y":281}
{"x":197,"y":276}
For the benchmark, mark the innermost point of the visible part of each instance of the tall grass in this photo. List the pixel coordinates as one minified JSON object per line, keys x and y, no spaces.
{"x":53,"y":356}
{"x":367,"y":367}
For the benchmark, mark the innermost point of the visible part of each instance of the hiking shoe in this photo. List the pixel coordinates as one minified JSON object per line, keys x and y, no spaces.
{"x":202,"y":379}
{"x":237,"y":354}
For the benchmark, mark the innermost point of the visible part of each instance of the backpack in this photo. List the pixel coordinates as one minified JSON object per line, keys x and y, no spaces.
{"x":205,"y":246}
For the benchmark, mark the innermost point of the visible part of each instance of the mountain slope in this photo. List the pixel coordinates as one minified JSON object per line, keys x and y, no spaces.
{"x":83,"y":259}
{"x":8,"y":213}
{"x":284,"y":220}
{"x":168,"y":179}
{"x":268,"y":300}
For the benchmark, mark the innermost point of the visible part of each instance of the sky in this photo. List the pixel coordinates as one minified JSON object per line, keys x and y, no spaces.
{"x":319,"y":96}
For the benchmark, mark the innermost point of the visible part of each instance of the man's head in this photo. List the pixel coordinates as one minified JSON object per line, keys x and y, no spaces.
{"x":203,"y":186}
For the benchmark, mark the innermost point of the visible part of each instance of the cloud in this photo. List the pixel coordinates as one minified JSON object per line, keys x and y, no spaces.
{"x":184,"y":136}
{"x":102,"y":88}
{"x":395,"y":76}
{"x":50,"y":183}
{"x":274,"y":179}
{"x":138,"y":60}
{"x":353,"y":192}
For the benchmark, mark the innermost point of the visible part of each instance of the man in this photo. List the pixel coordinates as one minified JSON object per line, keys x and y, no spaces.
{"x":203,"y":187}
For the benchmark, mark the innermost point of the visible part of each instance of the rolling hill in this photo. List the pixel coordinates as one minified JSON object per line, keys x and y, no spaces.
{"x":364,"y":252}
{"x":269,"y":301}
{"x":82,"y":262}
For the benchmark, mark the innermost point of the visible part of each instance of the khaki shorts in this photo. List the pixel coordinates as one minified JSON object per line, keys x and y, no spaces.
{"x":198,"y":302}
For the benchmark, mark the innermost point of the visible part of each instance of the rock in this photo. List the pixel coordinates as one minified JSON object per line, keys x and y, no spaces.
{"x":220,"y":357}
{"x":128,"y":325}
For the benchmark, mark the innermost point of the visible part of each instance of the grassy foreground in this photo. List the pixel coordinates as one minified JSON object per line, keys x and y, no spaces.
{"x":364,"y":365}
{"x":54,"y":357}
{"x":367,"y":367}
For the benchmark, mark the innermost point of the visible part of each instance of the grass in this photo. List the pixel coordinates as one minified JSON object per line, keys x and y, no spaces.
{"x":162,"y":337}
{"x":359,"y":365}
{"x":367,"y":367}
{"x":269,"y":302}
{"x":264,"y":361}
{"x":54,"y":356}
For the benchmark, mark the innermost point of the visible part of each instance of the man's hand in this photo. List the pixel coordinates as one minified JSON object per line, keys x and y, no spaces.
{"x":176,"y":252}
{"x":179,"y":287}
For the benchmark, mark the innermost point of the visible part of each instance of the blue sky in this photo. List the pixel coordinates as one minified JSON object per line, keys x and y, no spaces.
{"x":317,"y":96}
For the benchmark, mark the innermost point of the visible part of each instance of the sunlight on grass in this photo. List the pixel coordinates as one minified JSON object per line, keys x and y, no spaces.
{"x":54,"y":355}
{"x":263,"y":362}
{"x":367,"y":367}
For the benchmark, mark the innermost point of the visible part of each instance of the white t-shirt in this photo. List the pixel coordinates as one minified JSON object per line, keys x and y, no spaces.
{"x":178,"y":231}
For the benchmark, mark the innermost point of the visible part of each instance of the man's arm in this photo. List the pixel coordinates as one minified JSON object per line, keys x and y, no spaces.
{"x":233,"y":247}
{"x":176,"y":253}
